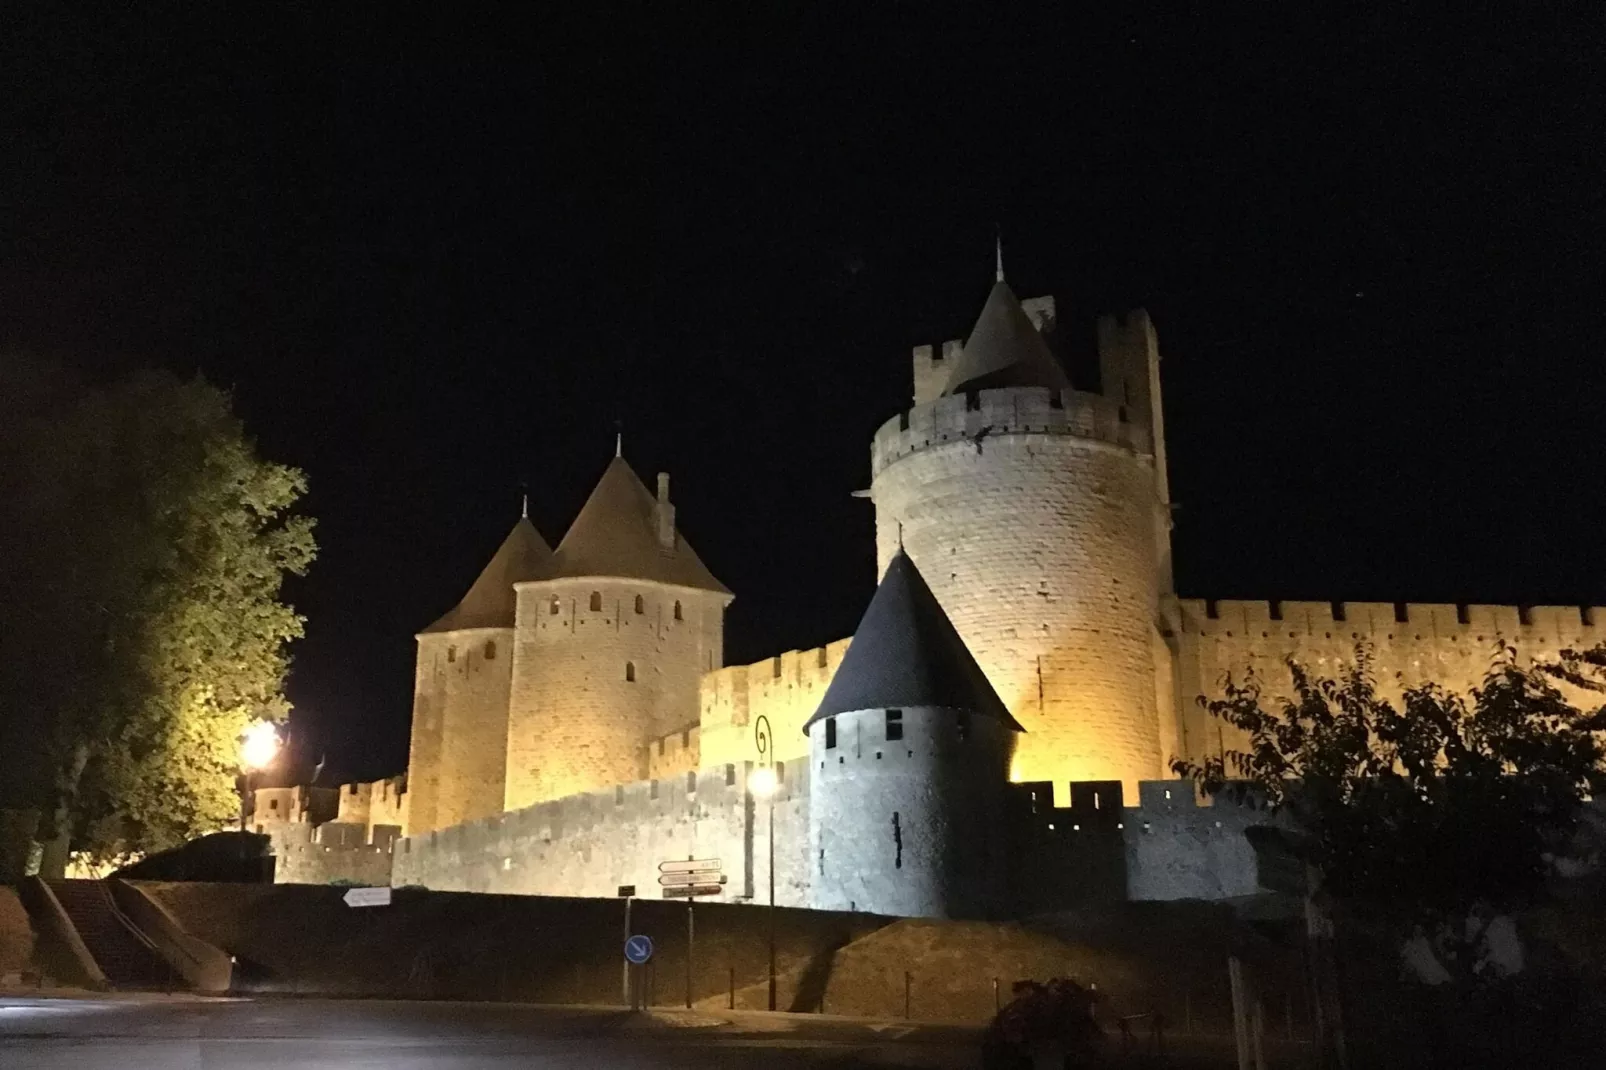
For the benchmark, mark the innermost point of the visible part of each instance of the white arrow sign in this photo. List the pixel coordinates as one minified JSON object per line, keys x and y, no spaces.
{"x":368,"y":897}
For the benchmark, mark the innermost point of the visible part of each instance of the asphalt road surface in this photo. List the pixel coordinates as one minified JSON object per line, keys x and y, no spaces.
{"x":128,"y":1033}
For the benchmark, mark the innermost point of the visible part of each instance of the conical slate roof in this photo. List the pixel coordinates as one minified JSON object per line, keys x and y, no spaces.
{"x":489,"y":603}
{"x":906,"y":653}
{"x":616,"y":534}
{"x":1005,"y":349}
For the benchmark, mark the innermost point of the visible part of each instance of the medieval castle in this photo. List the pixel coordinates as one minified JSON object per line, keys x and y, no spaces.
{"x":995,"y":736}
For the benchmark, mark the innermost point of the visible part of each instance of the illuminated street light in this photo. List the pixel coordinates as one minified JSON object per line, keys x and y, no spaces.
{"x":762,"y":782}
{"x":259,"y":746}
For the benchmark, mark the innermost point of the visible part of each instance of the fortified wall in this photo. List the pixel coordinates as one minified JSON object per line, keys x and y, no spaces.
{"x":329,"y":853}
{"x":786,"y":688}
{"x":593,"y":844}
{"x":1412,"y":642}
{"x":1171,"y":846}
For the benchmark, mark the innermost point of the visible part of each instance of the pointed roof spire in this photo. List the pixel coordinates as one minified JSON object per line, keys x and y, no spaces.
{"x":906,"y":653}
{"x":998,"y":251}
{"x":618,"y":443}
{"x":1004,"y":348}
{"x":524,"y":503}
{"x":617,"y":535}
{"x":522,"y":556}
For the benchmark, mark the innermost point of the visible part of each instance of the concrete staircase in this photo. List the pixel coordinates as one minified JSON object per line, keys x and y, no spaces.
{"x":123,"y":954}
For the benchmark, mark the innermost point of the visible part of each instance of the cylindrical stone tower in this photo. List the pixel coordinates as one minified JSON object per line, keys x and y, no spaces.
{"x":909,"y":754}
{"x":1038,"y":516}
{"x":610,"y":645}
{"x":460,"y":693}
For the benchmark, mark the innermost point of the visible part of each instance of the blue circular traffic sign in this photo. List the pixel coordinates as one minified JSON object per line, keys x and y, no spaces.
{"x":638,"y":949}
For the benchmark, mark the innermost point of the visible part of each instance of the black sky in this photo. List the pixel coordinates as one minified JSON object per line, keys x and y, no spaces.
{"x":434,"y":260}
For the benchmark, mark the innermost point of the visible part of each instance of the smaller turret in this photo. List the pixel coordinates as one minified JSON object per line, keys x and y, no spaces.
{"x":910,"y":751}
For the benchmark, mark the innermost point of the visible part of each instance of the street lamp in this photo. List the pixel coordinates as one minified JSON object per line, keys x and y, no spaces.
{"x":762,"y":784}
{"x":259,"y":746}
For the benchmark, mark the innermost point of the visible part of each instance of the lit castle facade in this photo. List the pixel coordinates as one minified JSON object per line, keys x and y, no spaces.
{"x":994,"y":739}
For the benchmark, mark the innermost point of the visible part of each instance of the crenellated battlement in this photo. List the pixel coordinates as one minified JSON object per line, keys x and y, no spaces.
{"x":987,"y":414}
{"x":676,"y":752}
{"x":1397,"y":622}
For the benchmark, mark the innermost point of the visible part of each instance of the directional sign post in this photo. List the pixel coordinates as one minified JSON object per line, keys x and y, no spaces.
{"x":367,"y":897}
{"x":687,"y":880}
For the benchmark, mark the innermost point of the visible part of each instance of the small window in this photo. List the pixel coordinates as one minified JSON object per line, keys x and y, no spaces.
{"x":677,"y":612}
{"x":894,"y":725}
{"x":660,"y":747}
{"x":830,"y":733}
{"x":780,"y":772}
{"x":451,"y":653}
{"x":490,"y":651}
{"x":630,"y":672}
{"x":596,"y":601}
{"x":730,"y":774}
{"x":691,"y":783}
{"x":552,"y":607}
{"x":641,"y":604}
{"x":352,"y":790}
{"x":273,"y":804}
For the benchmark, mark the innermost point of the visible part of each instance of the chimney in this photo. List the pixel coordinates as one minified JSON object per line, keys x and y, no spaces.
{"x":665,"y":514}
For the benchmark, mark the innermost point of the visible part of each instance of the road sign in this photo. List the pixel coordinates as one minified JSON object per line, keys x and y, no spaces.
{"x":681,"y":880}
{"x":692,"y":891}
{"x":691,"y":865}
{"x":626,"y":891}
{"x":638,"y":949}
{"x":367,"y":897}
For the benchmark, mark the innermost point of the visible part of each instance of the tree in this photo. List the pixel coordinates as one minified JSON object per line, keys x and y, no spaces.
{"x":1428,"y":813}
{"x":143,"y":601}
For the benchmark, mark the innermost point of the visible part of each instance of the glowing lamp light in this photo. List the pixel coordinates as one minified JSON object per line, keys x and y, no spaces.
{"x":761,"y":782}
{"x":259,"y":745}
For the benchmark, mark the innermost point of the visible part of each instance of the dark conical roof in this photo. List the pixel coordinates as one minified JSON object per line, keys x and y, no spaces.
{"x":489,"y":602}
{"x":616,"y":534}
{"x":1005,"y":349}
{"x":906,"y":653}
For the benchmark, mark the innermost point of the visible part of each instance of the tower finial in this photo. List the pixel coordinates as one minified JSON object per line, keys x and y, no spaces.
{"x":998,"y":251}
{"x":524,"y":506}
{"x":618,"y":443}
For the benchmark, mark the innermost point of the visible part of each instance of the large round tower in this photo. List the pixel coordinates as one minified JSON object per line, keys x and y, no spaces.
{"x":909,"y":765}
{"x":1038,"y":515}
{"x":610,"y":645}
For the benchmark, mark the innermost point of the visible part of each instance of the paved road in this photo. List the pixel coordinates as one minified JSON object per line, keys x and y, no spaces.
{"x":188,"y":1034}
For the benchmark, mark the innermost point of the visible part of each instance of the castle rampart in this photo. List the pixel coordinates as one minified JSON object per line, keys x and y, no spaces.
{"x":786,"y":688}
{"x":460,"y":722}
{"x":1411,"y":643}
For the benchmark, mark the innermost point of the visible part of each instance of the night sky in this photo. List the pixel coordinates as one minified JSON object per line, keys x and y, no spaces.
{"x":436,"y":261}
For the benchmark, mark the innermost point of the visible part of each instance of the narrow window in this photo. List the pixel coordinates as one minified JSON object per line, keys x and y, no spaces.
{"x":596,"y":601}
{"x":897,"y":840}
{"x":490,"y":651}
{"x":353,"y":789}
{"x":780,"y":772}
{"x":830,"y":733}
{"x":730,"y":774}
{"x":1461,"y":616}
{"x":552,"y":609}
{"x":775,"y":667}
{"x":894,"y":725}
{"x":273,"y":804}
{"x":641,"y":604}
{"x":652,"y":789}
{"x":691,"y":783}
{"x":451,"y":653}
{"x":630,"y":672}
{"x":677,"y":612}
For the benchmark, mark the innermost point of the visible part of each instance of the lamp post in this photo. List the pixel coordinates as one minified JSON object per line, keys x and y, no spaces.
{"x":259,"y":746}
{"x":762,"y":783}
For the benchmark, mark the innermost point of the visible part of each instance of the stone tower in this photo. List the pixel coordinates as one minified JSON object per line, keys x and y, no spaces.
{"x":611,"y":643}
{"x":460,"y":693}
{"x":909,"y":757}
{"x":1039,"y":515}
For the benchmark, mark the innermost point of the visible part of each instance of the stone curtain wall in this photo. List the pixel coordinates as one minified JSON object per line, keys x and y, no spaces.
{"x":786,"y":688}
{"x":332,"y":852}
{"x":1032,"y":517}
{"x":460,"y":721}
{"x":1413,"y":643}
{"x":591,"y":844}
{"x":592,"y":687}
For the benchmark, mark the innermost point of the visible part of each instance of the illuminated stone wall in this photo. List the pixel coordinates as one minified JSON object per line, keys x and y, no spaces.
{"x":460,"y":724}
{"x":1413,"y":643}
{"x":375,"y":804}
{"x":786,"y":688}
{"x":591,"y":686}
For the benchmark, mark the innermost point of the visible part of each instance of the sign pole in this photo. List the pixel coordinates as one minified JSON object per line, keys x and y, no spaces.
{"x":627,"y":997}
{"x":690,"y":944}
